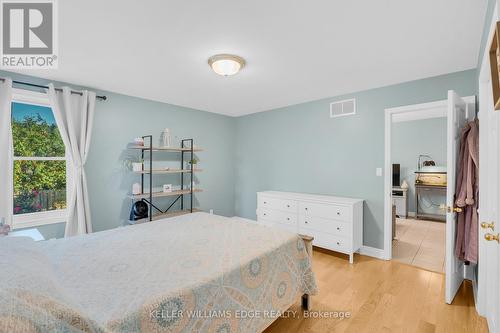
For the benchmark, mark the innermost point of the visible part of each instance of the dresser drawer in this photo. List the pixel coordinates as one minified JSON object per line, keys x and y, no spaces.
{"x":282,"y":226}
{"x":328,"y":241}
{"x":278,"y":216}
{"x":278,"y":204}
{"x":325,"y":225}
{"x":328,"y":211}
{"x":336,"y":223}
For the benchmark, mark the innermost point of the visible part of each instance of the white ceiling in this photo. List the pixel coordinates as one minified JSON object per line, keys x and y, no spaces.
{"x":296,"y":50}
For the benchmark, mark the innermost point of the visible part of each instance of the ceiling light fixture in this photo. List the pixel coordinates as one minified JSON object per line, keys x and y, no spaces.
{"x":226,"y":64}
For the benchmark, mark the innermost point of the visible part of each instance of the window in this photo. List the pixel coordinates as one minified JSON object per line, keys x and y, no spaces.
{"x":40,"y":173}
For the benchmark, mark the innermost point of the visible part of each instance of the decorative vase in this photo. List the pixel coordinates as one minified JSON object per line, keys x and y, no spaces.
{"x":166,"y":138}
{"x":139,"y":141}
{"x":404,"y":185}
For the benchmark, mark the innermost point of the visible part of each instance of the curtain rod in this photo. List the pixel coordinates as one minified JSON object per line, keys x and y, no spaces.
{"x":102,"y":98}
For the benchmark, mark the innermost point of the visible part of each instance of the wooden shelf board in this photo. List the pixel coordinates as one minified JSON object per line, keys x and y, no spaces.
{"x":166,"y":215}
{"x":163,"y":194}
{"x":177,"y":149}
{"x":157,"y":171}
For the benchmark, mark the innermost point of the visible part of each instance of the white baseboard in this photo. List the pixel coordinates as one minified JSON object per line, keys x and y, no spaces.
{"x":371,"y":252}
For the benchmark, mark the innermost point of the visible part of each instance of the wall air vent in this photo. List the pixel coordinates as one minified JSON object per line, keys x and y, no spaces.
{"x":343,"y":108}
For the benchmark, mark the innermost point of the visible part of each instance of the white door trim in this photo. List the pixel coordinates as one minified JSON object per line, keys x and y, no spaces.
{"x":432,"y":110}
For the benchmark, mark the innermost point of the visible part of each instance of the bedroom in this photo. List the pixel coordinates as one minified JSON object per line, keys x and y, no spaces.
{"x":294,"y":142}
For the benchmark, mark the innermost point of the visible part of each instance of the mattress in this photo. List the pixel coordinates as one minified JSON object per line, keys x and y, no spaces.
{"x":192,"y":273}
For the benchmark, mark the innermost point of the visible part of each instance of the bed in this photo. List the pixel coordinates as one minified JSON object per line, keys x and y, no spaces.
{"x":192,"y":273}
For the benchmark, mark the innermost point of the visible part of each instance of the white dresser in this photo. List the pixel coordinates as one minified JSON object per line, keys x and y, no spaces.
{"x":336,"y":223}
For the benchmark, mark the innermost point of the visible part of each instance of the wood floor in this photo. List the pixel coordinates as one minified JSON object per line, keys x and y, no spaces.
{"x":382,"y":296}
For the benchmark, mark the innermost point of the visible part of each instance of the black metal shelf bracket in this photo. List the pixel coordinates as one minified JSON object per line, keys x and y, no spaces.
{"x":191,"y":152}
{"x":150,"y":137}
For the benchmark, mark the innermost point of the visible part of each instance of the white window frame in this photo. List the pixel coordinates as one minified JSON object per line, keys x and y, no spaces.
{"x":29,"y":220}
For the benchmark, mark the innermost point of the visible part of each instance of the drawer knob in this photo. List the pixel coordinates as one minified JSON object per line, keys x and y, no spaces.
{"x":338,"y":228}
{"x":288,"y":218}
{"x":288,"y":206}
{"x":338,"y":243}
{"x":265,"y":214}
{"x":338,"y":213}
{"x":265,"y":202}
{"x":306,"y":222}
{"x":305,"y":208}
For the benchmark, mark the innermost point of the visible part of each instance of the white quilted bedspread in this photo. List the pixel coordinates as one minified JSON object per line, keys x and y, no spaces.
{"x":193,"y":273}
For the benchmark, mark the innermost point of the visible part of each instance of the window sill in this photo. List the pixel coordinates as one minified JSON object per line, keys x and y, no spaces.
{"x":38,"y":219}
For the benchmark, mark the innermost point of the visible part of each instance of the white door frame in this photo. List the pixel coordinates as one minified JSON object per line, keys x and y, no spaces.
{"x":404,"y":113}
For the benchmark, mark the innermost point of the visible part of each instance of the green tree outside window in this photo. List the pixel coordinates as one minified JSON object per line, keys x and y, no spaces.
{"x":39,"y":160}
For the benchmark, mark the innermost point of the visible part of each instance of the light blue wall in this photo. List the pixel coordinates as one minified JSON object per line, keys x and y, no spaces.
{"x":486,"y":29}
{"x":296,"y":148}
{"x":299,"y":148}
{"x":121,"y":118}
{"x":50,"y":231}
{"x":412,"y":138}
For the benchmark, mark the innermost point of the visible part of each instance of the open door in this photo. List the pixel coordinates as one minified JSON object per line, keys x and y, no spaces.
{"x":489,"y":203}
{"x":457,"y":118}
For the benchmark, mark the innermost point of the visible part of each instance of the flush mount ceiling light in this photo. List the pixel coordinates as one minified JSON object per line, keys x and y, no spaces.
{"x":226,"y":64}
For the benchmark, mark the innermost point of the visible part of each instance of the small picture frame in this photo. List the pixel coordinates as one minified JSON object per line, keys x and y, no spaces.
{"x":167,"y":188}
{"x":495,"y":66}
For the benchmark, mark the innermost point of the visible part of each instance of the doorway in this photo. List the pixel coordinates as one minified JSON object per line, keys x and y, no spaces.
{"x":455,"y":111}
{"x":418,"y":159}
